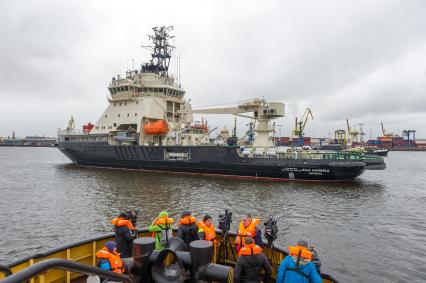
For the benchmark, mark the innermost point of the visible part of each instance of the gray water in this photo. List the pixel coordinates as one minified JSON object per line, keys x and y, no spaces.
{"x":369,"y":230}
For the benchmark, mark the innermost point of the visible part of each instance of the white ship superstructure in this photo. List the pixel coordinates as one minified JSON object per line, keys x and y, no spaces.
{"x":140,"y":99}
{"x":148,"y":107}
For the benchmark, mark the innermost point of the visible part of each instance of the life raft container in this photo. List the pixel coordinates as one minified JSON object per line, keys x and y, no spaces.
{"x":87,"y":128}
{"x":156,"y":128}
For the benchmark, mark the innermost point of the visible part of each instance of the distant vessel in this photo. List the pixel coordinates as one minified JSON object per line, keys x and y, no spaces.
{"x":376,"y":151}
{"x":148,"y":125}
{"x":28,"y":141}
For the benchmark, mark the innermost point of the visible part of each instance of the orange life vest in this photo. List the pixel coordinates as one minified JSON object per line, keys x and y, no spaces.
{"x":165,"y":221}
{"x":113,"y":258}
{"x":243,"y":231}
{"x":188,"y":220}
{"x":251,"y":249}
{"x":304,"y":252}
{"x":123,"y":222}
{"x":208,"y":230}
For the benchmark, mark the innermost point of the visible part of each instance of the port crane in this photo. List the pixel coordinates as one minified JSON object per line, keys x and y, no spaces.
{"x":262,"y":110}
{"x":385,"y":133}
{"x":299,"y":126}
{"x":340,"y":137}
{"x":361,"y":133}
{"x":411,"y":139}
{"x":352,"y":133}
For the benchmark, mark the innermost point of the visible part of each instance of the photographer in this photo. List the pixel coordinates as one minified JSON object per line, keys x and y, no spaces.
{"x":206,"y":230}
{"x":187,"y":230}
{"x":248,"y":228}
{"x":133,"y":217}
{"x":124,"y":234}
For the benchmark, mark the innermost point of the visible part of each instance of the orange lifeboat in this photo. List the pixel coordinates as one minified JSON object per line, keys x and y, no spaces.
{"x":156,"y":128}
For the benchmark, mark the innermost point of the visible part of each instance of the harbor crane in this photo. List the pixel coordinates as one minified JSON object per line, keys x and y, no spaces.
{"x":262,"y":110}
{"x":411,"y":139}
{"x":352,"y":133}
{"x":340,"y":137}
{"x":361,"y":133}
{"x":299,"y":126}
{"x":385,"y":133}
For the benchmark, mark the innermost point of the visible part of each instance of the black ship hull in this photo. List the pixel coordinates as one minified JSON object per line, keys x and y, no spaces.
{"x":377,"y":152}
{"x":209,"y":160}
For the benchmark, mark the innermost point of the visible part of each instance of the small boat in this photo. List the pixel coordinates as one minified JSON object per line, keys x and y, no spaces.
{"x":76,"y":262}
{"x":377,"y":151}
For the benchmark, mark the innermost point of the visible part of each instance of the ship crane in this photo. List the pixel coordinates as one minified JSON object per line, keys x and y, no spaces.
{"x":263,"y":112}
{"x":299,"y":126}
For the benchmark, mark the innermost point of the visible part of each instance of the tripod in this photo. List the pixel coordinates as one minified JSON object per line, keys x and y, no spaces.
{"x":272,"y":255}
{"x":224,"y":247}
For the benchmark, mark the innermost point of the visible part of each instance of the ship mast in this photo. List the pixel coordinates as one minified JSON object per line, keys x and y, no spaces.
{"x":161,"y":51}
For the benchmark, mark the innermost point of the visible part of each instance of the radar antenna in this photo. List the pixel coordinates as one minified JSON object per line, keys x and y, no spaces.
{"x":161,"y":51}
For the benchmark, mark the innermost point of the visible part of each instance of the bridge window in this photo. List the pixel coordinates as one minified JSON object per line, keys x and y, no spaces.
{"x":106,"y":116}
{"x":118,"y":115}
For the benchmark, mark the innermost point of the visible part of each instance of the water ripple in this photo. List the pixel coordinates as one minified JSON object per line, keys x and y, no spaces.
{"x":369,"y":230}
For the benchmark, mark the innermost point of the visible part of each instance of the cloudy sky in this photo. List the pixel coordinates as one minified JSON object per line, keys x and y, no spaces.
{"x":362,"y":60}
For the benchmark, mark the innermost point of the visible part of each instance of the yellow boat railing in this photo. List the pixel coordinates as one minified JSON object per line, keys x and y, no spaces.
{"x":84,"y":252}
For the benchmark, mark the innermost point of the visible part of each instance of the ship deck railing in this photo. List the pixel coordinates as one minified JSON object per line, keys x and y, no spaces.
{"x":77,"y":132}
{"x":68,"y":263}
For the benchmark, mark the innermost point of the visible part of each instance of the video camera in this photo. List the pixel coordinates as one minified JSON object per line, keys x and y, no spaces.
{"x":132,"y":215}
{"x":271,"y":230}
{"x":225,"y":221}
{"x":315,"y":258}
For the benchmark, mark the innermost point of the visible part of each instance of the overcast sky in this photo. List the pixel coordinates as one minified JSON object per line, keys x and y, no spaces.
{"x":362,"y":60}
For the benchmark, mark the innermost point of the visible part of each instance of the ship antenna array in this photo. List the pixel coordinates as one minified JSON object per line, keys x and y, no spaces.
{"x":161,"y":51}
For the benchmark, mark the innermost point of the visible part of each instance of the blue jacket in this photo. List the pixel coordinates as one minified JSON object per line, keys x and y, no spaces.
{"x":293,"y":276}
{"x":104,"y":264}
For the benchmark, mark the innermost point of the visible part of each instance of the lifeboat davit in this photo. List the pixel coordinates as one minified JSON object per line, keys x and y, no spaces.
{"x":156,"y":128}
